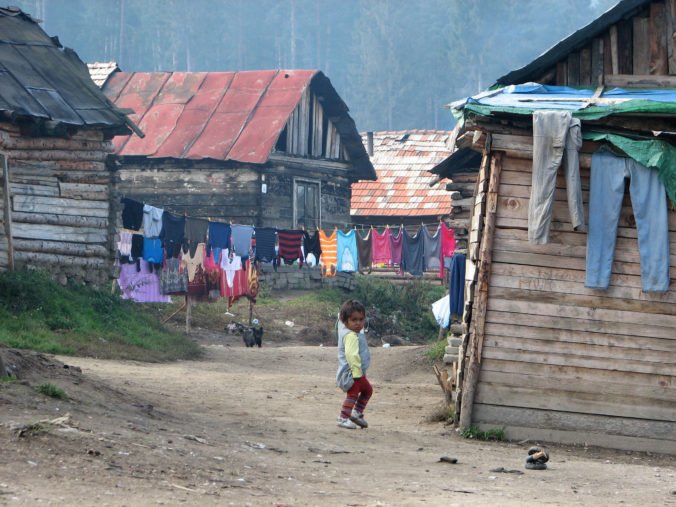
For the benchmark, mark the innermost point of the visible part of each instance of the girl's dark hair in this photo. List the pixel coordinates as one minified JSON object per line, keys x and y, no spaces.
{"x":349,"y":307}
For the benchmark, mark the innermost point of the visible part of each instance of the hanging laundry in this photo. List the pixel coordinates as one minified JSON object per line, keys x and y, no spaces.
{"x":557,"y":139}
{"x":241,"y":239}
{"x":364,"y":249}
{"x":234,"y":282}
{"x":212,"y":271}
{"x":265,"y":244}
{"x":173,"y":279}
{"x":381,"y":246}
{"x":312,"y":246}
{"x":192,"y":262}
{"x":396,"y":246}
{"x":252,"y":281}
{"x":197,"y":287}
{"x":412,"y":255}
{"x":172,"y":234}
{"x":347,"y":251}
{"x":152,"y":250}
{"x":219,"y":236}
{"x":329,"y":256}
{"x":152,"y":221}
{"x":230,"y":265}
{"x":136,"y":246}
{"x":457,"y":285}
{"x":290,"y":241}
{"x":142,"y":286}
{"x":132,"y":214}
{"x":195,"y":232}
{"x":124,"y":245}
{"x":432,"y":249}
{"x":649,"y":202}
{"x":447,"y":246}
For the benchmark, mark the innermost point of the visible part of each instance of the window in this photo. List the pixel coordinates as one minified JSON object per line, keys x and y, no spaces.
{"x":306,"y":208}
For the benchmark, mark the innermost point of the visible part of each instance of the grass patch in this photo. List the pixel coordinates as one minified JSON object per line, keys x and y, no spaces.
{"x":473,"y":432}
{"x":436,"y":351}
{"x":37,"y":313}
{"x":8,"y":378}
{"x":52,"y":391}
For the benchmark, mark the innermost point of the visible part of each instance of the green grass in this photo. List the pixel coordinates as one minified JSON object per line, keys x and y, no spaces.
{"x":53,"y":391}
{"x":37,"y":313}
{"x":8,"y":378}
{"x":475,"y":433}
{"x":436,"y":350}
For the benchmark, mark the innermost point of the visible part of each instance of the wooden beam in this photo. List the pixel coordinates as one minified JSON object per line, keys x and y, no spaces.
{"x":480,"y":306}
{"x":641,"y":81}
{"x":585,"y":66}
{"x":597,"y":62}
{"x":659,"y":63}
{"x":7,"y":212}
{"x":574,"y":69}
{"x":671,"y":34}
{"x":625,"y":47}
{"x":641,"y":45}
{"x":612,"y":52}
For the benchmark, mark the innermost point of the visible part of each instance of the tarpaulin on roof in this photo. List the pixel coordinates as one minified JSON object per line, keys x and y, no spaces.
{"x":652,"y":153}
{"x":528,"y":97}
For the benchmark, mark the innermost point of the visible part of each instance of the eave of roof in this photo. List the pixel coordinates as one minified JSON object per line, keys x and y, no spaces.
{"x":41,"y":81}
{"x":623,"y":9}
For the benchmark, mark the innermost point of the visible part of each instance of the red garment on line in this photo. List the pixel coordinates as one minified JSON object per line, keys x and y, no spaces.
{"x":447,"y":245}
{"x":381,"y":250}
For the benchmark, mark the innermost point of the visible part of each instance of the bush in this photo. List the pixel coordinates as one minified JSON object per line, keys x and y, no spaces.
{"x":436,"y":350}
{"x":52,"y":390}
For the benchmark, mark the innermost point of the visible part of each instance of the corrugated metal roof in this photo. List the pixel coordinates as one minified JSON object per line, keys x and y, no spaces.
{"x":402,"y":161}
{"x":100,"y":71}
{"x":41,"y":80}
{"x":623,"y":9}
{"x":223,"y":115}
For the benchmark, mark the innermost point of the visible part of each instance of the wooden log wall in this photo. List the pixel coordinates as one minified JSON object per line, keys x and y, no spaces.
{"x":200,"y":189}
{"x":561,"y":362}
{"x":633,"y":52}
{"x":60,"y":210}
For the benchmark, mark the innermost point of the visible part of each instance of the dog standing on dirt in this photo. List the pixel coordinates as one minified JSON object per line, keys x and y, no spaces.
{"x":253,"y":335}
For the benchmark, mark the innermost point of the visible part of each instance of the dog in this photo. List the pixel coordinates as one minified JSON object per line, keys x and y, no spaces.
{"x":253,"y":335}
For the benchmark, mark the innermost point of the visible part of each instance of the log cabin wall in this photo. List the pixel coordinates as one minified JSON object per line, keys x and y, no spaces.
{"x":560,"y":362}
{"x":232,"y":192}
{"x":200,"y":189}
{"x":634,"y":51}
{"x":60,"y":211}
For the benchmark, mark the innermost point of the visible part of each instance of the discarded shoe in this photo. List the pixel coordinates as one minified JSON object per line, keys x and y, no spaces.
{"x":537,"y":454}
{"x":536,"y":466}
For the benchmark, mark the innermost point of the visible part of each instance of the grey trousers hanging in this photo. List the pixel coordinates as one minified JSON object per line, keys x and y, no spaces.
{"x":557,"y":139}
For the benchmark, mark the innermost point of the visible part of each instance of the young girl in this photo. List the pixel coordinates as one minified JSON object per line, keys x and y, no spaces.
{"x":353,"y":357}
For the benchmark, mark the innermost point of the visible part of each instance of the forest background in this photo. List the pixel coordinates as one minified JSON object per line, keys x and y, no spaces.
{"x":396,"y":63}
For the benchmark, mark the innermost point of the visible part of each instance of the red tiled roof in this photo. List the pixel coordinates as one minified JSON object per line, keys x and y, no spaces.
{"x":402,"y":160}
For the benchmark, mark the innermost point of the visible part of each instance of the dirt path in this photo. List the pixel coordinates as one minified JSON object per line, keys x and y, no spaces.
{"x":257,"y":427}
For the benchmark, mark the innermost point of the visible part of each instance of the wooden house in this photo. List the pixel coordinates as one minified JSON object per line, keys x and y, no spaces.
{"x":55,"y":132}
{"x":265,"y":148}
{"x":543,"y":356}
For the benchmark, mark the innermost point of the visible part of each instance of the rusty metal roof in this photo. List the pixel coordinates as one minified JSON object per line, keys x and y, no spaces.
{"x":402,"y":161}
{"x":223,"y":115}
{"x":42,"y":81}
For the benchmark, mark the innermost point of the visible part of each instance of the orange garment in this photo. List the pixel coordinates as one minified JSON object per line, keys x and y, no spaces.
{"x":191,"y":263}
{"x":329,"y":257}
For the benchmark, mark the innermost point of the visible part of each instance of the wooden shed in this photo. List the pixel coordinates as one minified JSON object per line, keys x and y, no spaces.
{"x":543,"y":355}
{"x":267,"y":148}
{"x":55,"y":132}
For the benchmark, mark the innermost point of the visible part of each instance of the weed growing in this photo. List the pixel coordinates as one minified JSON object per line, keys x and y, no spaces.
{"x":436,"y":351}
{"x":495,"y":434}
{"x":8,"y":378}
{"x":52,"y":391}
{"x":37,"y":313}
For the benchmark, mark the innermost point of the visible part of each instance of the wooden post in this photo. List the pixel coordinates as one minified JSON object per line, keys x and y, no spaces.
{"x":8,"y":213}
{"x":188,"y":313}
{"x":479,"y":311}
{"x":250,"y":311}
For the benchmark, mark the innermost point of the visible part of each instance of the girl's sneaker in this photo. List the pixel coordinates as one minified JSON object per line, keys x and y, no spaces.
{"x":347,"y":424}
{"x":358,"y":418}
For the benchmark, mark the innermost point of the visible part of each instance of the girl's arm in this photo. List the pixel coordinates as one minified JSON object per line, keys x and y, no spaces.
{"x":351,"y":341}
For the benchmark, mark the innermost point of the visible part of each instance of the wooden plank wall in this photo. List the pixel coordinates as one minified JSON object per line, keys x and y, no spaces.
{"x":60,"y":204}
{"x":628,"y":53}
{"x":199,"y":189}
{"x":561,"y":362}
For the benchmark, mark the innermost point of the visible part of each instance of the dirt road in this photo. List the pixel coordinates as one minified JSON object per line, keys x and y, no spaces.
{"x":257,"y":427}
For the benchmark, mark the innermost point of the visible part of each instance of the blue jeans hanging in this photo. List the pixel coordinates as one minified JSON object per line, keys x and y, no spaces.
{"x":649,"y":202}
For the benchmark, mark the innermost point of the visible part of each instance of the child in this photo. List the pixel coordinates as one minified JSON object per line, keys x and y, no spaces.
{"x":353,"y":357}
